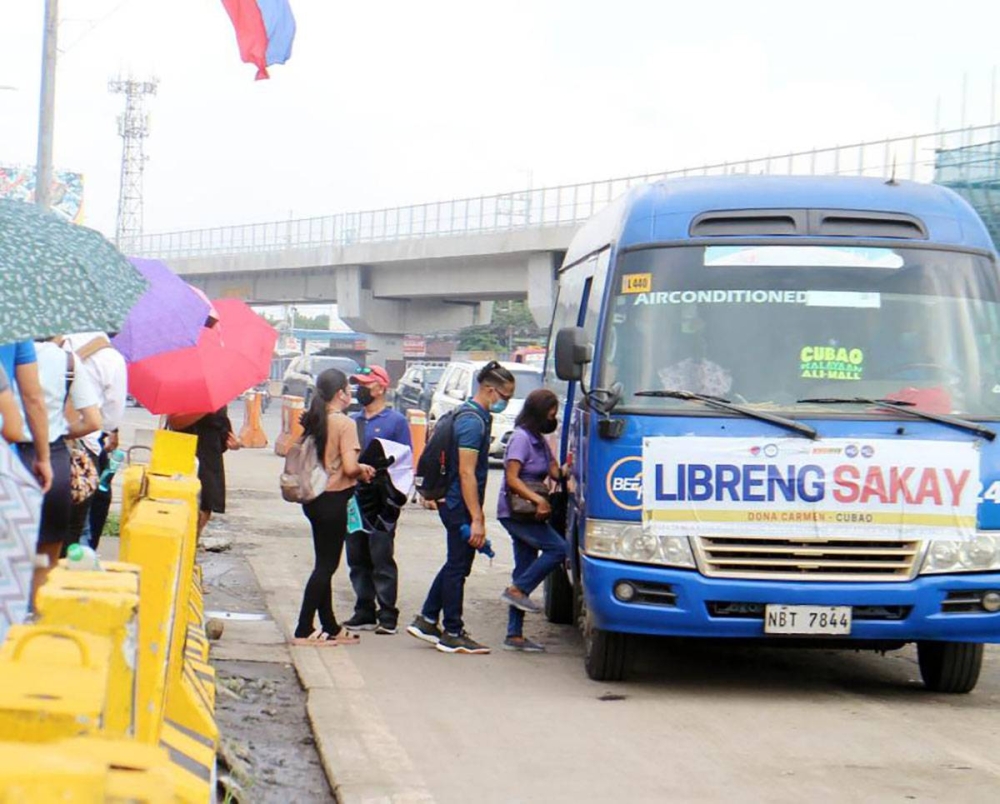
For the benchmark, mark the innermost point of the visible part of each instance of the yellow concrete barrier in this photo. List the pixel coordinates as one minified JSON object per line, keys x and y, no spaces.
{"x":110,"y":696}
{"x":53,"y":683}
{"x":104,"y":604}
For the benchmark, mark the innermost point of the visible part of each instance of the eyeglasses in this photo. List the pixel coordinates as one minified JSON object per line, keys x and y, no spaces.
{"x":503,"y":396}
{"x":364,"y":371}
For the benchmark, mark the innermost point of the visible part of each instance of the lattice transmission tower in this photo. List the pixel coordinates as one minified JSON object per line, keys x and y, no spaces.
{"x":133,"y":128}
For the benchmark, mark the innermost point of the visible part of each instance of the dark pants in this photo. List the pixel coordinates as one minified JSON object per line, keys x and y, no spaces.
{"x":100,"y":504}
{"x":374,"y":575}
{"x":448,"y":589}
{"x":328,"y":516}
{"x":530,"y":568}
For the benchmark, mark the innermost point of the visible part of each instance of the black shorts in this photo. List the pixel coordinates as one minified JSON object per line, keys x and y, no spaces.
{"x":56,"y":506}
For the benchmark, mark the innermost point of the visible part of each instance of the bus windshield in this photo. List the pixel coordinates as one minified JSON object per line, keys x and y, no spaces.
{"x":770,"y":326}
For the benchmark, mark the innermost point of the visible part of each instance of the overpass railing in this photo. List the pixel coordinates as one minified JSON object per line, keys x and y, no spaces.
{"x":910,"y":157}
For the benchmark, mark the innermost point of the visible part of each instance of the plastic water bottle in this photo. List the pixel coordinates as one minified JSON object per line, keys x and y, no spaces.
{"x":79,"y":557}
{"x":115,"y":459}
{"x":486,"y":549}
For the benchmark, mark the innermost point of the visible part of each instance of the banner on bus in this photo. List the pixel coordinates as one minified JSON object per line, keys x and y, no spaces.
{"x":792,"y":487}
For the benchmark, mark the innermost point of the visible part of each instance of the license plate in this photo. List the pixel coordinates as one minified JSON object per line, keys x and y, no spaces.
{"x":811,"y":620}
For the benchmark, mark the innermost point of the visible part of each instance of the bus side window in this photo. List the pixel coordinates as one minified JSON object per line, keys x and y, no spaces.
{"x":573,"y":284}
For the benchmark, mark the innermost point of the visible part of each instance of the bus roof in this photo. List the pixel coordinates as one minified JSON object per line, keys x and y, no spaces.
{"x":664,"y":211}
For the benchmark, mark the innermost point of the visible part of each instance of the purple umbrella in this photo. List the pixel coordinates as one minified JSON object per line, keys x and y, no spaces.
{"x":168,"y":316}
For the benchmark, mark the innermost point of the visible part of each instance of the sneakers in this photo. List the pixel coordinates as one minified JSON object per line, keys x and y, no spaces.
{"x":359,"y":623}
{"x":421,"y":629}
{"x":523,"y":644}
{"x":516,"y":598}
{"x":461,"y":643}
{"x":386,"y":628}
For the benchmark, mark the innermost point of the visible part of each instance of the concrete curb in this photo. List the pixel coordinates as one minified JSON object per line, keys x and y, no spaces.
{"x":363,"y":761}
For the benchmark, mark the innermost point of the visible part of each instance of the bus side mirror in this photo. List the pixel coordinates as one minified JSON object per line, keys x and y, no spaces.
{"x":573,"y":352}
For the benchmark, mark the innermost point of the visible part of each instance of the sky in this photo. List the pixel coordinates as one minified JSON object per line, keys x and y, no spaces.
{"x":396,"y":102}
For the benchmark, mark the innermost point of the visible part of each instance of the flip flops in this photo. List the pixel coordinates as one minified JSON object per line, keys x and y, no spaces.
{"x":321,"y":639}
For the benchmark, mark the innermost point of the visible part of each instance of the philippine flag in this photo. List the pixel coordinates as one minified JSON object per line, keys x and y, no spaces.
{"x":265,"y":30}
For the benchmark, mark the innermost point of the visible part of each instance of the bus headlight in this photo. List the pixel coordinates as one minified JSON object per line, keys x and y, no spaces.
{"x":978,"y":554}
{"x":626,"y":542}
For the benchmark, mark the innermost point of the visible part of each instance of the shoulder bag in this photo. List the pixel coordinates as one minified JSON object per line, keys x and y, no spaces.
{"x":83,"y":477}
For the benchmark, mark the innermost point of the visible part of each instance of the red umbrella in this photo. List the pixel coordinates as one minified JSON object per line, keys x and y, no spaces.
{"x":232,"y":356}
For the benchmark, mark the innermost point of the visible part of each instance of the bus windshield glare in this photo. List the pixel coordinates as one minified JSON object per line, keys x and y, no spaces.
{"x":771,"y":325}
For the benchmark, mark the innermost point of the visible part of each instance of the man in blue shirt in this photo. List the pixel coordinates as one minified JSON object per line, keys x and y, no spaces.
{"x":374,"y":575}
{"x":463,"y":508}
{"x":20,"y":363}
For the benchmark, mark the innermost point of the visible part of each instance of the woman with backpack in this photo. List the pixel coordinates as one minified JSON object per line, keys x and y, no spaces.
{"x":524,"y":509}
{"x":335,"y":436}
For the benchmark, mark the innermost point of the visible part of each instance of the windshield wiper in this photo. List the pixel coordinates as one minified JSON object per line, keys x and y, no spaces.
{"x":905,"y":407}
{"x":719,"y":403}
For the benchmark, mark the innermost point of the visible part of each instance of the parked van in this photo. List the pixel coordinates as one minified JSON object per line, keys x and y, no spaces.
{"x":458,"y":383}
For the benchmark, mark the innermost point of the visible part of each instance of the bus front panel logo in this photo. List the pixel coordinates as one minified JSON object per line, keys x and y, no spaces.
{"x":624,"y":483}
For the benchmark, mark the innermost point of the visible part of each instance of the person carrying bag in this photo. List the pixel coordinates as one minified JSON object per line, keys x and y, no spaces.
{"x":525,"y":510}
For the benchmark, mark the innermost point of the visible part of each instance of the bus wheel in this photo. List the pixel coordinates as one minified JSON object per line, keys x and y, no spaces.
{"x":559,"y":597}
{"x":603,"y":651}
{"x":950,"y":666}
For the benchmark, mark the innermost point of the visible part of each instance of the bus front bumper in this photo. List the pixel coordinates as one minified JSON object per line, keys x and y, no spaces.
{"x":675,"y":602}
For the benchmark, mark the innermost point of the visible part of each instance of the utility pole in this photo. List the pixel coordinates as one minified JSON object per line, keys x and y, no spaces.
{"x":133,"y":128}
{"x":47,"y":107}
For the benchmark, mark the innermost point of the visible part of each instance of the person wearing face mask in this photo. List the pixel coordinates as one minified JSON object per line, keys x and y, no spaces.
{"x":461,"y":509}
{"x":538,"y":548}
{"x":374,"y":575}
{"x":336,"y":440}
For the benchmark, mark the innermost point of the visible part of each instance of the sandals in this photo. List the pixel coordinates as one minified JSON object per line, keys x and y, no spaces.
{"x":321,"y":639}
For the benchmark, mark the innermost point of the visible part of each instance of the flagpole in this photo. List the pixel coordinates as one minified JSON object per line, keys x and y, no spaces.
{"x":47,"y":107}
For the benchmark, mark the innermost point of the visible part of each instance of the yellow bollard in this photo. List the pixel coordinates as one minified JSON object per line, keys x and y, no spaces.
{"x":291,"y":427}
{"x":252,"y":433}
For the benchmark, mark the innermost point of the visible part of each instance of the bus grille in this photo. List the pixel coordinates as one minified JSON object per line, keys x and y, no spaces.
{"x":826,"y":559}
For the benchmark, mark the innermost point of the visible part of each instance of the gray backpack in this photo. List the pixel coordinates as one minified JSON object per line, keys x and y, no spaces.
{"x":304,"y":477}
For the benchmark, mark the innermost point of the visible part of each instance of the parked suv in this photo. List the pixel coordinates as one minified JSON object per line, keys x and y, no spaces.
{"x":458,"y":383}
{"x":416,"y":388}
{"x":300,"y":378}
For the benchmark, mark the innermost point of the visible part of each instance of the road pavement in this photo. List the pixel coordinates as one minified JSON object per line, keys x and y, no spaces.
{"x":396,"y":720}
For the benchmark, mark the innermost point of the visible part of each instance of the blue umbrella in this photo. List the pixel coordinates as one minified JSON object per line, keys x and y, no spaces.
{"x":168,"y":316}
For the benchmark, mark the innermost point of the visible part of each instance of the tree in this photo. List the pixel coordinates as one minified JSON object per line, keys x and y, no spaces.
{"x":511,"y":323}
{"x":478,"y":339}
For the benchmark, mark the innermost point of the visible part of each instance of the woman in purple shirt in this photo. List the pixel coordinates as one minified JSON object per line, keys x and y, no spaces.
{"x":529,"y":458}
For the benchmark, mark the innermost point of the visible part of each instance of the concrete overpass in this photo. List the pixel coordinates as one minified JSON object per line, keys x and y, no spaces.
{"x":439,"y":266}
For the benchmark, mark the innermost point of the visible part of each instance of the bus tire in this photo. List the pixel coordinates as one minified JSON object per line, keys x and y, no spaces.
{"x":559,"y":597}
{"x":603,"y":652}
{"x":951,"y":667}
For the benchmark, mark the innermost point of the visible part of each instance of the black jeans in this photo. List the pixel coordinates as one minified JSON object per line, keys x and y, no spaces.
{"x":374,"y":575}
{"x":328,"y":516}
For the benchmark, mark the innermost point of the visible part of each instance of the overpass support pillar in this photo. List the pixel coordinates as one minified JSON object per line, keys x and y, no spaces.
{"x":361,"y":310}
{"x":542,"y":269}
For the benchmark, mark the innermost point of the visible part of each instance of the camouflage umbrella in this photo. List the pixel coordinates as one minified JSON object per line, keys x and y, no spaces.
{"x":56,"y":277}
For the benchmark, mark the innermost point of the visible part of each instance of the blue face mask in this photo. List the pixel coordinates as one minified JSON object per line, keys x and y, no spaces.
{"x":499,"y":406}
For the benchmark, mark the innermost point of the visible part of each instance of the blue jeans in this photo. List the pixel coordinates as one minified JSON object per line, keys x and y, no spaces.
{"x":448,"y":589}
{"x":530,"y":568}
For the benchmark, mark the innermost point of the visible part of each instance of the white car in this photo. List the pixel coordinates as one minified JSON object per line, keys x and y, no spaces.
{"x":458,"y":383}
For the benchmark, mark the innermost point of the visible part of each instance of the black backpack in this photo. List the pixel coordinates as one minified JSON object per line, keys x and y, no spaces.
{"x":438,"y":462}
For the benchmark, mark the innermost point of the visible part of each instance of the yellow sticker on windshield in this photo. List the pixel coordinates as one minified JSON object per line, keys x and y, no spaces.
{"x":831,"y":363}
{"x":637,"y":283}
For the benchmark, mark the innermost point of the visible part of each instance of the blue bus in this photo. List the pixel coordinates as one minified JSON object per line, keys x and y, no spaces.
{"x":781,"y":398}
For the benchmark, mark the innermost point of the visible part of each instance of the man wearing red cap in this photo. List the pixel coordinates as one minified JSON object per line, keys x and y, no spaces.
{"x":370,"y":556}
